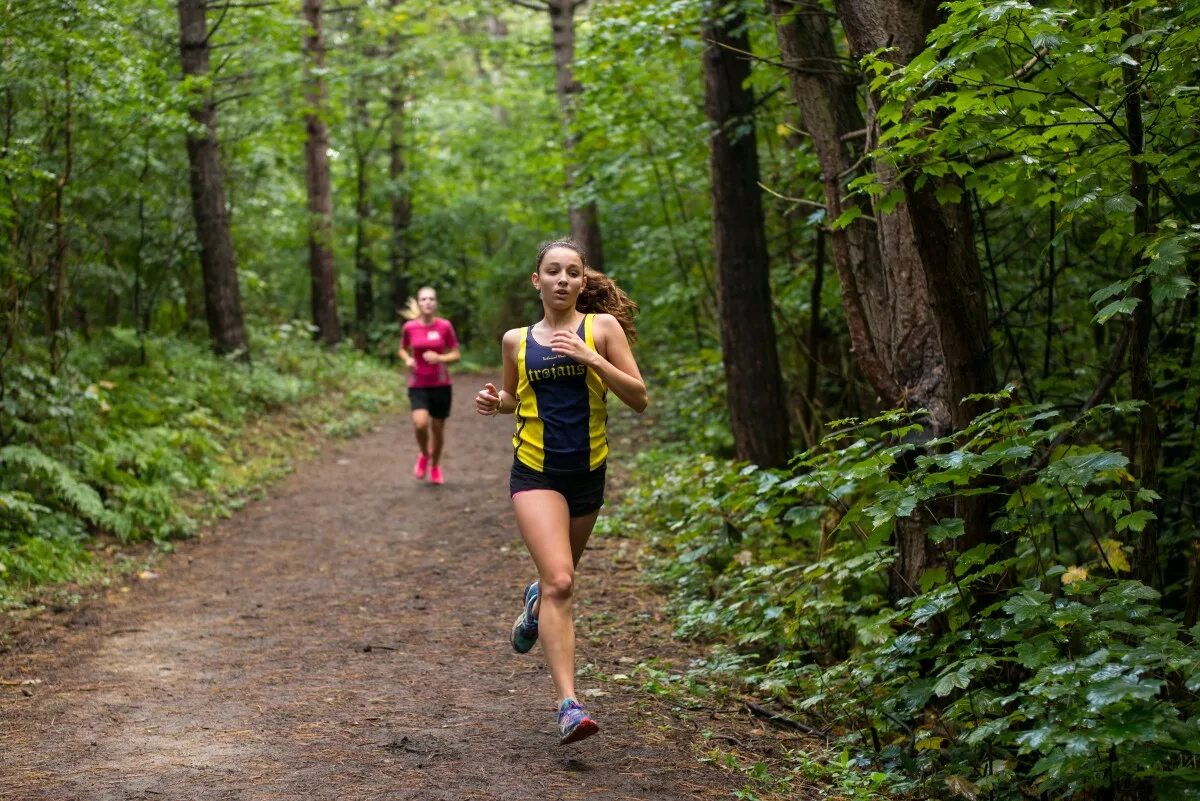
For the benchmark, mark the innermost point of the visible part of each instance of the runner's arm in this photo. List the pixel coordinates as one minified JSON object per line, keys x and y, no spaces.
{"x":486,"y":398}
{"x":448,"y":357}
{"x":616,"y":365}
{"x":402,"y":351}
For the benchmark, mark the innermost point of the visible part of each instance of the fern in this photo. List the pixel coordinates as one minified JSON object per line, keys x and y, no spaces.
{"x":61,"y":482}
{"x":19,"y":508}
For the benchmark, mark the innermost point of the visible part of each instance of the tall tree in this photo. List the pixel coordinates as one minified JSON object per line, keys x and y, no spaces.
{"x":939,"y":348}
{"x":757,"y":409}
{"x":320,"y":190}
{"x":1149,"y":438}
{"x":362,"y":140}
{"x":912,"y":288}
{"x":56,"y":296}
{"x":399,"y":247}
{"x":826,"y":95}
{"x":222,"y":298}
{"x":585,"y":217}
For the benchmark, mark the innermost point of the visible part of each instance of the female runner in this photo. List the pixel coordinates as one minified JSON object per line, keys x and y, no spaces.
{"x":557,"y":374}
{"x":427,"y":345}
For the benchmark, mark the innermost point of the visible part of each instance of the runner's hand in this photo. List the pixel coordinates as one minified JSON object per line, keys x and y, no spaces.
{"x":568,"y":343}
{"x":433,"y":357}
{"x":487,"y":400}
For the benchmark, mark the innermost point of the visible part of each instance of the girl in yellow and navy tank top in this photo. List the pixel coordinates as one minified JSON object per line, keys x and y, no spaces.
{"x":557,"y":377}
{"x":561,"y":408}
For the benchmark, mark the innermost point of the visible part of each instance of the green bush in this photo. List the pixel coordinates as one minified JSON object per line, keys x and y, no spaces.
{"x":1026,"y":665}
{"x":131,"y":427}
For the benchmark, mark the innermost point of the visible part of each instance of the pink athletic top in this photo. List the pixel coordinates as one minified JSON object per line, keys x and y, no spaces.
{"x":417,"y":338}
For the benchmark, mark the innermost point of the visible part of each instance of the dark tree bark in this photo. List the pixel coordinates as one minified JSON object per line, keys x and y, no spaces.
{"x":1148,"y":447}
{"x":827,"y":99}
{"x":944,"y":328}
{"x":56,"y":296}
{"x":585,"y":218}
{"x":757,"y":408}
{"x":320,"y":190}
{"x":399,"y":252}
{"x":364,"y":267}
{"x":218,"y":265}
{"x":912,"y":287}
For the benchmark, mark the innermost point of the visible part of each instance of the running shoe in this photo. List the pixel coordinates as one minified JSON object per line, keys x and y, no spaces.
{"x":573,"y":723}
{"x":421,"y":466}
{"x":525,"y":630}
{"x":435,"y":475}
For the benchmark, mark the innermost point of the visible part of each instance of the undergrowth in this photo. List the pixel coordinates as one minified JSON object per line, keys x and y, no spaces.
{"x":1029,"y":664}
{"x":140,"y":439}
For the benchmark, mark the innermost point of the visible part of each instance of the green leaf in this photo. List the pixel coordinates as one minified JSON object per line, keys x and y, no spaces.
{"x":946,"y":529}
{"x":848,"y":216}
{"x":1120,"y":204}
{"x":948,"y":193}
{"x":1115,"y":288}
{"x":954,"y":680}
{"x":1171,"y":287}
{"x":1123,"y":306}
{"x":1029,"y":604}
{"x":1082,"y":469}
{"x":1135,"y":521}
{"x":1105,"y":693}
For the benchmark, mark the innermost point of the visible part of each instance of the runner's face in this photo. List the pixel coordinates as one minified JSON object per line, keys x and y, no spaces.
{"x":427,"y":303}
{"x":560,"y":278}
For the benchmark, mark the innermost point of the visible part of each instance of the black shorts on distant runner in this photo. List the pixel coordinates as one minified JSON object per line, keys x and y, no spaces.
{"x":584,"y":491}
{"x":436,"y":400}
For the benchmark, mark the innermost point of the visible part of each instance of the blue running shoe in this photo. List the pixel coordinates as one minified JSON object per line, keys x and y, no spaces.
{"x":573,"y":723}
{"x":525,"y":630}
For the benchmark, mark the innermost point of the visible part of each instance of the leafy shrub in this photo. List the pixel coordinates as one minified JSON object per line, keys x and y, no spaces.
{"x":1027,"y":664}
{"x":133,"y":425}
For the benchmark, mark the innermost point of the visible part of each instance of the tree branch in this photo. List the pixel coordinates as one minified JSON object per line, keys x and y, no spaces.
{"x":541,"y":8}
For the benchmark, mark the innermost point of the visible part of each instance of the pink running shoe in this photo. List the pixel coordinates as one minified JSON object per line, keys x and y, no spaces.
{"x":435,"y":475}
{"x":421,"y":466}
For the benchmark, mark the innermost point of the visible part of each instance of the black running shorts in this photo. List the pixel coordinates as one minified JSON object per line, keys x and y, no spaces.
{"x":584,"y":490}
{"x":436,"y":400}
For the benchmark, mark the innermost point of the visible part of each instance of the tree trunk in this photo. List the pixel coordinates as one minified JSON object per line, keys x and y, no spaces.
{"x":320,"y":191}
{"x":56,"y":297}
{"x":218,"y":266}
{"x":829,"y":113}
{"x":399,"y":252}
{"x":912,"y":287}
{"x":755,"y":390}
{"x":585,"y":219}
{"x":1149,"y":440}
{"x":943,"y":335}
{"x":364,"y":267}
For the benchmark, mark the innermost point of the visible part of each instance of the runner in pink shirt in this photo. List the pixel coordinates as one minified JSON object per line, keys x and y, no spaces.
{"x":427,"y":345}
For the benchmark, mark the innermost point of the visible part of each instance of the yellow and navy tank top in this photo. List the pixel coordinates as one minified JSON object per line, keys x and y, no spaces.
{"x":562,"y":408}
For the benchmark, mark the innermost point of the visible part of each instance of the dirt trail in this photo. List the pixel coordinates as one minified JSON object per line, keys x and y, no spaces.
{"x":345,"y":638}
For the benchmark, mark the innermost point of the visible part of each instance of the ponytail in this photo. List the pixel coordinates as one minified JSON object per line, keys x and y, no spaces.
{"x":413,"y":310}
{"x":600,"y":294}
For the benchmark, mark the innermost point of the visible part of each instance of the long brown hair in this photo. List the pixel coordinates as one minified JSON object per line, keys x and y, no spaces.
{"x":600,"y":293}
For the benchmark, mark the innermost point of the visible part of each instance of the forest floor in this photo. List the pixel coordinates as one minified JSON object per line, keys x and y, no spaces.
{"x":346,"y":637}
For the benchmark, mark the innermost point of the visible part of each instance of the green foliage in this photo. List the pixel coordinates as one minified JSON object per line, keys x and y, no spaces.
{"x":1025,"y":663}
{"x":119,"y":447}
